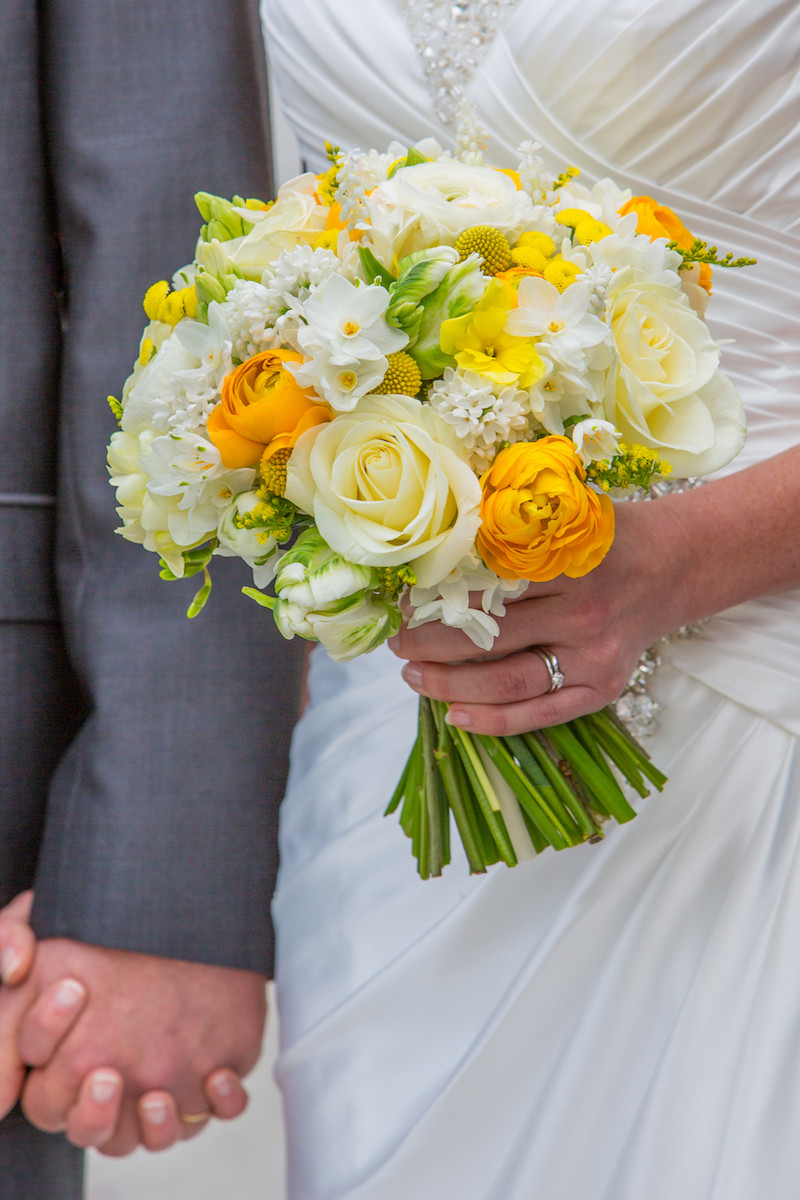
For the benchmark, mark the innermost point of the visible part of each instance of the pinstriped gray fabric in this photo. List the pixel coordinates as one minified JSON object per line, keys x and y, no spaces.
{"x":153,"y":828}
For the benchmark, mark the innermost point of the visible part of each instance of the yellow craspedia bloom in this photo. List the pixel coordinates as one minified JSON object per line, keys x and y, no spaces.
{"x":539,"y":519}
{"x":561,"y":273}
{"x":534,"y":240}
{"x":585,"y":227}
{"x":403,"y":377}
{"x":272,"y":469}
{"x":146,"y":351}
{"x":492,"y":246}
{"x":154,"y":297}
{"x":529,"y":257}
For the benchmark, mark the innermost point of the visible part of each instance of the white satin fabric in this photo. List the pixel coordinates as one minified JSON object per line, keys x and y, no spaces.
{"x":621,"y":1021}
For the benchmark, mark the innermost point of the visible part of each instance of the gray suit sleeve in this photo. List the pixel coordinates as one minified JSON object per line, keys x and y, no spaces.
{"x":160,"y":827}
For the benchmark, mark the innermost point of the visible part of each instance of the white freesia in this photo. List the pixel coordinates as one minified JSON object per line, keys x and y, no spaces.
{"x":562,"y":392}
{"x":595,"y":440}
{"x":666,"y":390}
{"x":432,"y":203}
{"x":256,"y":546}
{"x":143,"y":517}
{"x":188,"y":482}
{"x":211,"y":341}
{"x":451,"y":600}
{"x":388,"y":484}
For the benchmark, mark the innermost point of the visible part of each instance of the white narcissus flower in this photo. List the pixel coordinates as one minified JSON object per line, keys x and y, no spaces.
{"x":595,"y":440}
{"x":256,"y":546}
{"x":666,"y":390}
{"x":346,"y":340}
{"x":432,"y":203}
{"x":567,"y":330}
{"x":388,"y":484}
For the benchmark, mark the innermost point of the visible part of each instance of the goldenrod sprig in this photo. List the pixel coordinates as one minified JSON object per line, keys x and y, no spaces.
{"x":634,"y":466}
{"x":701,"y":252}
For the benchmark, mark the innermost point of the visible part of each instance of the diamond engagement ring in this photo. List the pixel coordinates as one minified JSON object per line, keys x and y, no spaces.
{"x":553,"y":669}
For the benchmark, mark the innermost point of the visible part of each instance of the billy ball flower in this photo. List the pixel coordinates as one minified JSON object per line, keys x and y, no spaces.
{"x":539,"y":518}
{"x":263,"y":408}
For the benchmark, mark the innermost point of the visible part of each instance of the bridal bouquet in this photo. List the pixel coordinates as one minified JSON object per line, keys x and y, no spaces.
{"x":403,"y":390}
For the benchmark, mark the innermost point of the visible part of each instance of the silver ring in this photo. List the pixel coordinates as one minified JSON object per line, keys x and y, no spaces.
{"x":553,"y":669}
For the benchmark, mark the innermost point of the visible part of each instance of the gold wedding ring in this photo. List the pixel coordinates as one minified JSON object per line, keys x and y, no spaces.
{"x":195,"y":1118}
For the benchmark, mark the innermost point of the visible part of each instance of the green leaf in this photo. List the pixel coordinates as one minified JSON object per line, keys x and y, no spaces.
{"x":373,"y":269}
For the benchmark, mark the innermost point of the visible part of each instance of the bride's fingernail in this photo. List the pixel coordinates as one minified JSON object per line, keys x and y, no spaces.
{"x":457,"y":717}
{"x":9,"y":964}
{"x":412,"y":675}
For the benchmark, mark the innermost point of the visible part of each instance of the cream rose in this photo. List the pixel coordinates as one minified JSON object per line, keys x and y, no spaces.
{"x":666,"y":390}
{"x":432,"y":203}
{"x":387,"y":484}
{"x":296,"y":217}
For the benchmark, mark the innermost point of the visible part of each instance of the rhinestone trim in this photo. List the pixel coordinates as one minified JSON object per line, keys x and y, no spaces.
{"x":452,"y":37}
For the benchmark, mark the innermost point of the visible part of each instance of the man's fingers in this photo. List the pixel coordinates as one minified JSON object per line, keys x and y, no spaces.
{"x":159,"y":1125}
{"x":92,"y":1121}
{"x":12,"y":1068}
{"x":49,"y":1020}
{"x":17,"y":943}
{"x":226,"y":1096}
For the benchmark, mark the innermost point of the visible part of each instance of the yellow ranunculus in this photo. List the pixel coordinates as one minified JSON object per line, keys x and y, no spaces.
{"x":262,"y":409}
{"x":538,"y":517}
{"x":657,"y":221}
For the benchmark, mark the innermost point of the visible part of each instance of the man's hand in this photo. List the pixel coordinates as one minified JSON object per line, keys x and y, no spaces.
{"x":148,"y":1019}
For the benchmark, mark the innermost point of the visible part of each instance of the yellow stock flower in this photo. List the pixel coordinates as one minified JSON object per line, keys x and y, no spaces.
{"x":538,"y":517}
{"x":479,"y":342}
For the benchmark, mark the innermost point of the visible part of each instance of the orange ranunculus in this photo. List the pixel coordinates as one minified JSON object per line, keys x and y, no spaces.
{"x":656,"y":220}
{"x":538,"y":517}
{"x":262,"y":408}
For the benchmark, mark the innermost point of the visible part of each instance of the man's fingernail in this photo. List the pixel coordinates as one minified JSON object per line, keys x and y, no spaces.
{"x":457,"y":717}
{"x":223,"y":1086}
{"x":104,"y":1087}
{"x":10,"y":962}
{"x":155,"y":1111}
{"x":69,"y":995}
{"x":412,"y":673}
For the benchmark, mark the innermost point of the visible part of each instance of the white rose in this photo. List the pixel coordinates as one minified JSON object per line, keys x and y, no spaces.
{"x":295,"y":217}
{"x":432,"y":203}
{"x":666,"y":390}
{"x":388,"y":484}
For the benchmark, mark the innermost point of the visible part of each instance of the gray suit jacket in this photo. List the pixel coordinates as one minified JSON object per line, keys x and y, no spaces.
{"x":142,"y":755}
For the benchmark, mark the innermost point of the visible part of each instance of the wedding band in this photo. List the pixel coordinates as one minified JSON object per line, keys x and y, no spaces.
{"x":553,"y":669}
{"x":195,"y":1118}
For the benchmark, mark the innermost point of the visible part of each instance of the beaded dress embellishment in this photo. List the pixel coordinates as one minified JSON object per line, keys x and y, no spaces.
{"x":452,"y":37}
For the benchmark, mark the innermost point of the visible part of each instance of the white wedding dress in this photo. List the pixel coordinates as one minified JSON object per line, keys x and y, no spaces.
{"x":619,"y":1021}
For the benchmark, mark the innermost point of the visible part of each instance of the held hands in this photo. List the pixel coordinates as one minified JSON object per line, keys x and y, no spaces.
{"x":121,"y":1043}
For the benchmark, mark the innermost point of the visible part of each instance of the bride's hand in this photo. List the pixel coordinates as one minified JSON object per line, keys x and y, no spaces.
{"x":596,"y":627}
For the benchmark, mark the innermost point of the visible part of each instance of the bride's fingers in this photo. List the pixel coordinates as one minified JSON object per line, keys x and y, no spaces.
{"x":501,"y":720}
{"x":17,"y":942}
{"x":517,"y":677}
{"x":49,"y":1020}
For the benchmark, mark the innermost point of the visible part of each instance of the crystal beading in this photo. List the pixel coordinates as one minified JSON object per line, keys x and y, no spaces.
{"x":452,"y":37}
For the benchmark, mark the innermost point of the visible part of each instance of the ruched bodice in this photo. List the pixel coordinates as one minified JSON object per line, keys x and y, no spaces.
{"x":615,"y":1022}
